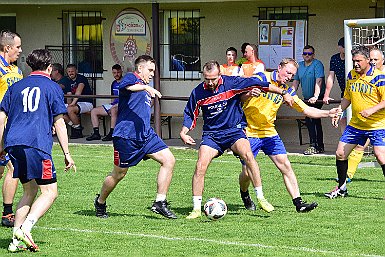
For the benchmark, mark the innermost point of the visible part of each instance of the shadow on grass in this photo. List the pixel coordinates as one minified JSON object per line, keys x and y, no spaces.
{"x":91,"y":213}
{"x":353,"y":180}
{"x":4,"y":242}
{"x":319,"y":194}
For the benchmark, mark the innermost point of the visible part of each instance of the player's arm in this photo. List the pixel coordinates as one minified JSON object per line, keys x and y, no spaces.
{"x":187,"y":139}
{"x":3,"y":118}
{"x":61,"y":132}
{"x":287,"y":97}
{"x":315,"y":113}
{"x":295,"y":85}
{"x":329,"y":85}
{"x":139,"y":87}
{"x":78,"y":92}
{"x":366,"y":113}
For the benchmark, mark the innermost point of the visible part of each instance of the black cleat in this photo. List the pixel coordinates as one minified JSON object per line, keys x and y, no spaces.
{"x":8,"y":220}
{"x":161,"y":207}
{"x":248,"y":202}
{"x":76,"y":133}
{"x":107,"y":138}
{"x":101,"y":209}
{"x":306,"y":207}
{"x":94,"y":136}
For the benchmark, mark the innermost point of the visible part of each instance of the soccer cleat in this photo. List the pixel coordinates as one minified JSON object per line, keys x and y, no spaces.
{"x":161,"y":207}
{"x":76,"y":133}
{"x":19,"y":247}
{"x":306,"y":207}
{"x":27,"y":239}
{"x":194,"y":214}
{"x":265,"y":205}
{"x":337,"y":192}
{"x":248,"y":203}
{"x":107,"y":138}
{"x":100,"y":209}
{"x":310,"y":151}
{"x":8,"y":220}
{"x":94,"y":136}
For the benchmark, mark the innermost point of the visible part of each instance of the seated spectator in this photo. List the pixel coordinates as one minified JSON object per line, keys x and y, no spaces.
{"x":107,"y":109}
{"x":57,"y":75}
{"x":77,"y":105}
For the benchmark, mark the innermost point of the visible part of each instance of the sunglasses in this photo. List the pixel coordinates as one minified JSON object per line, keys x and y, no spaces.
{"x":307,"y":53}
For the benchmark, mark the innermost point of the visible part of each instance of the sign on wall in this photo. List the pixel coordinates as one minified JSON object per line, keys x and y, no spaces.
{"x":279,"y":39}
{"x":130,"y":37}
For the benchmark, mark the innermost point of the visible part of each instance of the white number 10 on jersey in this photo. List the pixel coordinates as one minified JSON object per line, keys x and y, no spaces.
{"x":31,"y":99}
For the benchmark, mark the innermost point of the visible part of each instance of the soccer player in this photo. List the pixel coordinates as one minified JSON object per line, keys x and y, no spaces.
{"x":33,"y":105}
{"x":253,"y":64}
{"x":107,"y":109}
{"x":218,"y":97}
{"x":135,"y":140}
{"x":10,"y":49}
{"x":230,"y":68}
{"x":261,"y":112}
{"x":365,"y":92}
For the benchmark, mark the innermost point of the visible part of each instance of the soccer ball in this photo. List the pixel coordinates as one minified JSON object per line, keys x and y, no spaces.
{"x":215,"y":208}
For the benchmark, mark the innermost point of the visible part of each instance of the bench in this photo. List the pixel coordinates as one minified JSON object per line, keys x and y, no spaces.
{"x":300,"y":124}
{"x":165,"y":119}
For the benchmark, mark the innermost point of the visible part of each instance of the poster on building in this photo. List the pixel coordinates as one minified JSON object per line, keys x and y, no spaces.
{"x":130,"y":37}
{"x":279,"y":39}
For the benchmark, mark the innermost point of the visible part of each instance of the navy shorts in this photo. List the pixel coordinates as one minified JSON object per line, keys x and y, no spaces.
{"x":222,"y":140}
{"x":31,"y":163}
{"x":356,"y":136}
{"x":128,"y":152}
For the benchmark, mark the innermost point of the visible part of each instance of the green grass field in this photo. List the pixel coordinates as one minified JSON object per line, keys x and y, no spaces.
{"x":352,"y":226}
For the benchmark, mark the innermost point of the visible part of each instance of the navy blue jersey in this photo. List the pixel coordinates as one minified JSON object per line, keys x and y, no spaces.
{"x":31,"y":105}
{"x":134,"y":110}
{"x":86,"y":90}
{"x":115,"y":91}
{"x":221,"y":109}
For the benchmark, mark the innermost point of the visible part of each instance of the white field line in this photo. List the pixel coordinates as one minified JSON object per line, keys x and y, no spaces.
{"x":204,"y":240}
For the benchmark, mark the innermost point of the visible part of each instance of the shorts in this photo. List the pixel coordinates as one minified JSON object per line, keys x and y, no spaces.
{"x":356,"y":136}
{"x":30,"y":163}
{"x":222,"y":140}
{"x":128,"y":152}
{"x":107,"y":107}
{"x":5,"y":161}
{"x":269,"y":145}
{"x":83,"y":107}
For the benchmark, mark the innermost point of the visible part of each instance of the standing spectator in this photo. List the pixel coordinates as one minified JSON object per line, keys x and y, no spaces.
{"x":135,"y":140}
{"x":218,"y":97}
{"x":365,"y":92}
{"x":10,"y":49}
{"x":107,"y":109}
{"x":57,"y":75}
{"x":76,"y":106}
{"x":312,"y":78}
{"x":32,"y":106}
{"x":253,"y":64}
{"x":230,"y":68}
{"x":261,"y":113}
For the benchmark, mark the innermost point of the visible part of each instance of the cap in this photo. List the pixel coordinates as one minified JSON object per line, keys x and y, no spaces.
{"x":341,"y":42}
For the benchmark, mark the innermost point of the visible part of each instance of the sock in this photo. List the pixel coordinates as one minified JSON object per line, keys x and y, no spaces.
{"x":70,"y":123}
{"x":77,"y":126}
{"x":96,"y":131}
{"x":244,"y":194}
{"x":14,"y":239}
{"x":160,"y":197}
{"x":383,"y":169}
{"x":342,"y":168}
{"x":297,"y":201}
{"x":197,"y":201}
{"x":111,"y":131}
{"x":7,"y":208}
{"x":354,"y":159}
{"x":259,"y":192}
{"x":29,"y":222}
{"x":343,"y":187}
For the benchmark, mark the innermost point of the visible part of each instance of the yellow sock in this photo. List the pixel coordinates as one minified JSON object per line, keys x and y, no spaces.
{"x":353,"y":161}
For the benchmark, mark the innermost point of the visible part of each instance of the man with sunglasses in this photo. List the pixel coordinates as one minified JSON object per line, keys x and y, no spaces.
{"x":311,"y":76}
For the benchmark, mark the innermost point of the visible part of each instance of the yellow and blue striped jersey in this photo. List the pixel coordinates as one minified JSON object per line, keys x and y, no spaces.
{"x":365,"y":92}
{"x":261,"y":111}
{"x":9,"y":74}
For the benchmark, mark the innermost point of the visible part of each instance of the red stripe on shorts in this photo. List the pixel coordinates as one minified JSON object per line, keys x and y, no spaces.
{"x":47,"y":169}
{"x":116,"y":158}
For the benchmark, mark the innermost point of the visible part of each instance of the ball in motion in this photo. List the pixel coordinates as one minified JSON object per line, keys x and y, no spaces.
{"x":215,"y":208}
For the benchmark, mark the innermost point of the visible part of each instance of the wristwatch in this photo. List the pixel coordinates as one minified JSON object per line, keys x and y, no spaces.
{"x":284,"y":92}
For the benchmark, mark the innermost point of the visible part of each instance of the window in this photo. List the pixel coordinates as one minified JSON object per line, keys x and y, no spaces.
{"x":83,"y":41}
{"x":180,"y":45}
{"x":284,"y":13}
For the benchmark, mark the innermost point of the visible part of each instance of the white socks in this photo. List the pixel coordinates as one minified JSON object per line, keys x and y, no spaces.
{"x":258,"y":192}
{"x":160,"y":197}
{"x":197,"y":201}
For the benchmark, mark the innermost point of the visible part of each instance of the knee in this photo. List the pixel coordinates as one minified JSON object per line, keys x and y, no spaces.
{"x":119,"y":174}
{"x":340,"y":155}
{"x":201,"y":169}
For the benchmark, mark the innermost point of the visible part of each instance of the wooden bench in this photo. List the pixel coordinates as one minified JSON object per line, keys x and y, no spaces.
{"x":165,"y":119}
{"x":300,"y":123}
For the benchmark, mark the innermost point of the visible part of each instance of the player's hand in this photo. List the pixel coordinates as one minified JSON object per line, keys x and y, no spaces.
{"x":288,"y":98}
{"x":69,"y":162}
{"x":187,"y":140}
{"x":2,"y":155}
{"x":327,"y":99}
{"x":153,"y":92}
{"x":336,"y":118}
{"x":313,"y":100}
{"x":366,"y":113}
